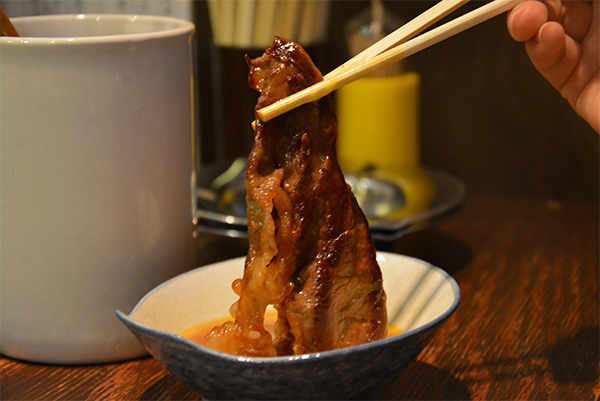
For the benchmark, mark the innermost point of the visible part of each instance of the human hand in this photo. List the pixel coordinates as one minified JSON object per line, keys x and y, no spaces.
{"x":563,"y":43}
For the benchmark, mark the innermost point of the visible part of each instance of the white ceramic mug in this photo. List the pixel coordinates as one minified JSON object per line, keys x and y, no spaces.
{"x":96,"y":162}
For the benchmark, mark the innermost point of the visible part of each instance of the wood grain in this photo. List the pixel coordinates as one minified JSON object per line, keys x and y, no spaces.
{"x":527,"y":327}
{"x":528,"y":324}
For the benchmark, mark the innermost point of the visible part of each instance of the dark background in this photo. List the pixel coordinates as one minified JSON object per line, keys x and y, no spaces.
{"x":488,"y":117}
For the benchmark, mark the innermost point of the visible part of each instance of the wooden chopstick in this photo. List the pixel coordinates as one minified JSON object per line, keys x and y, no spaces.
{"x":369,"y":65}
{"x":6,"y":27}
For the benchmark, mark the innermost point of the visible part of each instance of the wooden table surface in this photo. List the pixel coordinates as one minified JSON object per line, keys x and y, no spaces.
{"x":527,"y":327}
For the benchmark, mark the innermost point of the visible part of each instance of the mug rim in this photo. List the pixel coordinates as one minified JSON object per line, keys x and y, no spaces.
{"x":171,"y":27}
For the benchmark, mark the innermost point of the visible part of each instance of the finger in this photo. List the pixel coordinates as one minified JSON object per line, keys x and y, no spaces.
{"x":548,"y":47}
{"x":555,"y":9}
{"x":571,"y":66}
{"x":574,"y":15}
{"x":576,"y":18}
{"x":553,"y":53}
{"x":525,"y":19}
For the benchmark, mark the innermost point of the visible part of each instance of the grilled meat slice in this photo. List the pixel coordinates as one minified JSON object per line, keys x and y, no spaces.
{"x":311,"y":253}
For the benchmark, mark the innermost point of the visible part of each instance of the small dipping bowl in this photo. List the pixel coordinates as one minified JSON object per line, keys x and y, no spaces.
{"x":420,"y":298}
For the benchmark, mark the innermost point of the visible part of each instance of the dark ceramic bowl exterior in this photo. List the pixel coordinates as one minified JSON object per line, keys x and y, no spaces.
{"x":340,"y":374}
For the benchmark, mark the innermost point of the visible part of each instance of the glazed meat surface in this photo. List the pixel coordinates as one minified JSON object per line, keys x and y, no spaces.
{"x":310,"y":250}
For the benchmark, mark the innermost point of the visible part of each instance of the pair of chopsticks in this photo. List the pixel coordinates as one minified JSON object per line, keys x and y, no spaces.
{"x":392,"y":48}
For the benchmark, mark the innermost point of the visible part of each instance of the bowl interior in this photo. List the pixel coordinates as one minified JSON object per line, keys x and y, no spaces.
{"x":418,"y":294}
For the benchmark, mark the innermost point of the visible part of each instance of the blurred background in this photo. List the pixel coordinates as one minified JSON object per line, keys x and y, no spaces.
{"x":486,"y":115}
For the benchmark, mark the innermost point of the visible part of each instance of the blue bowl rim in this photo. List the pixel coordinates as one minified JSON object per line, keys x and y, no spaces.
{"x":293,"y":359}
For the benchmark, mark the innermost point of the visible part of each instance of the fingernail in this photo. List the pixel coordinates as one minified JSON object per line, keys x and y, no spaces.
{"x":540,"y":31}
{"x":511,"y":18}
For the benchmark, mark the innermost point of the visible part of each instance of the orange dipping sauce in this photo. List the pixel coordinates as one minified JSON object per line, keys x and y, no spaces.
{"x":198,"y":333}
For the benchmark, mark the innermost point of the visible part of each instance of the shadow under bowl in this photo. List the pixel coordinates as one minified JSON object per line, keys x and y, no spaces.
{"x":420,"y":298}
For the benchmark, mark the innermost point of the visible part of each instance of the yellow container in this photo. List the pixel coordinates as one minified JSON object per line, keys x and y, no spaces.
{"x":379,"y":127}
{"x":378,"y":121}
